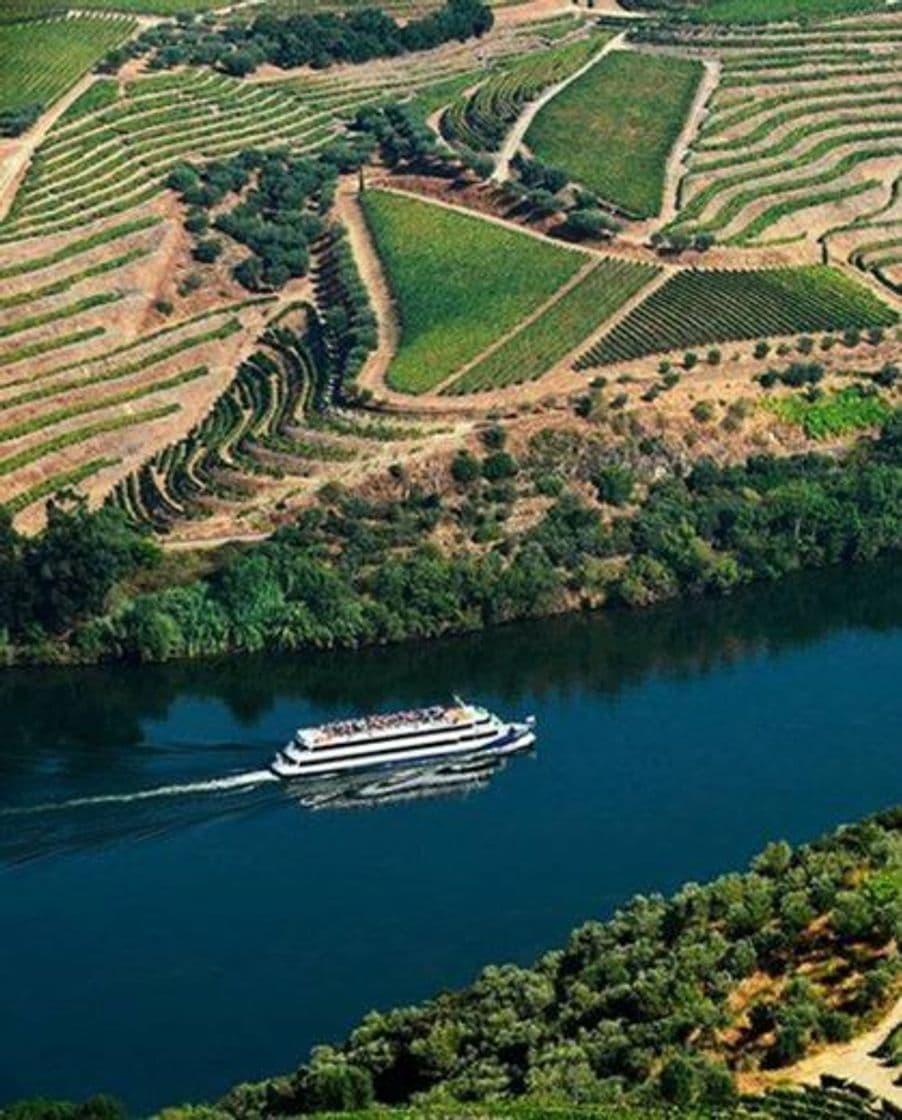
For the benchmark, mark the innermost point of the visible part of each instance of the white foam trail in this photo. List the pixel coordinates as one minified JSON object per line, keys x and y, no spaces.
{"x":234,"y":781}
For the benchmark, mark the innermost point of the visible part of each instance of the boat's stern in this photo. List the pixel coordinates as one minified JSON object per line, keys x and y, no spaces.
{"x":284,"y":767}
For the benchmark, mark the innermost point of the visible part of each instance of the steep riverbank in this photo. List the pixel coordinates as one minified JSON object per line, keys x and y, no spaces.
{"x":563,"y":525}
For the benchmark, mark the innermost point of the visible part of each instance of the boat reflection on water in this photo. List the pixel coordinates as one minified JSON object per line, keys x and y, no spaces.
{"x":40,"y":830}
{"x":412,"y":783}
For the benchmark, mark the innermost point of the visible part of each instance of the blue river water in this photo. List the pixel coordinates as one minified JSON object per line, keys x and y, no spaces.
{"x":165,"y":947}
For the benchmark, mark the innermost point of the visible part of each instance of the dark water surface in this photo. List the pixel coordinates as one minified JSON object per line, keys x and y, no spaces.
{"x":166,"y":947}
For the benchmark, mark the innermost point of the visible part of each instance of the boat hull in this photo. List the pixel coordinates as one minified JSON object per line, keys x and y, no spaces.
{"x":512,"y":738}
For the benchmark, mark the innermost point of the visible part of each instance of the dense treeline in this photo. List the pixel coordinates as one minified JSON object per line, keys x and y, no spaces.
{"x":50,"y":582}
{"x":99,"y":1107}
{"x":353,"y":571}
{"x":637,"y":1007}
{"x":315,"y":39}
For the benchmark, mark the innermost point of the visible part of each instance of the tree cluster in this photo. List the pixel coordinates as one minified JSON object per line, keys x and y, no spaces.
{"x":674,"y":242}
{"x":279,"y":212}
{"x":13,"y":122}
{"x":64,"y":575}
{"x":404,"y":142}
{"x":316,"y":39}
{"x":349,"y":321}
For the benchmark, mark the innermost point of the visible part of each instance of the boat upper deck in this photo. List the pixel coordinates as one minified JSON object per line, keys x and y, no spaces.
{"x":384,"y":725}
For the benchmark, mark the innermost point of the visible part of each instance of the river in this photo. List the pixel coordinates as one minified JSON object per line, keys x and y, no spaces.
{"x":165,"y":947}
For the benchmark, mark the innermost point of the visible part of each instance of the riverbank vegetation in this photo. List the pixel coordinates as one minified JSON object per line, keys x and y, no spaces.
{"x":421,"y":561}
{"x":659,"y":1005}
{"x":651,"y":1013}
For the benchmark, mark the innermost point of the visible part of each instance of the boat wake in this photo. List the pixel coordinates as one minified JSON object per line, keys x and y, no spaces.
{"x":212,"y":785}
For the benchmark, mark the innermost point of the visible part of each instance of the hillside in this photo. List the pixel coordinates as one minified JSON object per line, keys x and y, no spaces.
{"x":203,"y":322}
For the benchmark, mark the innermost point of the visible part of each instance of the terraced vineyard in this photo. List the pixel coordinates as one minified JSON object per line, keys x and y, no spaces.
{"x":112,"y":158}
{"x":695,"y":308}
{"x":115,"y":158}
{"x":246,"y":432}
{"x":459,"y":283}
{"x":128,"y":359}
{"x":828,"y":1102}
{"x":39,"y":61}
{"x":568,"y":321}
{"x":93,"y":263}
{"x":54,"y":420}
{"x":805,"y":128}
{"x":270,"y":430}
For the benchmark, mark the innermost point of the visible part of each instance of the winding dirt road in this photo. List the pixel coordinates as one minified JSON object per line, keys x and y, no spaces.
{"x":347,"y":210}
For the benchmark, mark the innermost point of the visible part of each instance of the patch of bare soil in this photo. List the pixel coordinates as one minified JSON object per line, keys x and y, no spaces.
{"x":512,"y":15}
{"x":277,"y":502}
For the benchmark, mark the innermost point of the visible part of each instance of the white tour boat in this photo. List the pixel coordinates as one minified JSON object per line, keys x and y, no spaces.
{"x":401,"y":738}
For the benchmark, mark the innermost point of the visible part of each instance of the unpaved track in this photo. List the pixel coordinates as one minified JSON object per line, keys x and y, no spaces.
{"x":514,"y":138}
{"x":676,"y":161}
{"x":16,"y":155}
{"x":852,"y":1060}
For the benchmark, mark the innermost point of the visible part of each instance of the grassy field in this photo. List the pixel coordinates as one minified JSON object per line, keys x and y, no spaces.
{"x":459,"y":283}
{"x":532,"y":351}
{"x":627,"y":112}
{"x":832,"y":414}
{"x":39,"y":61}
